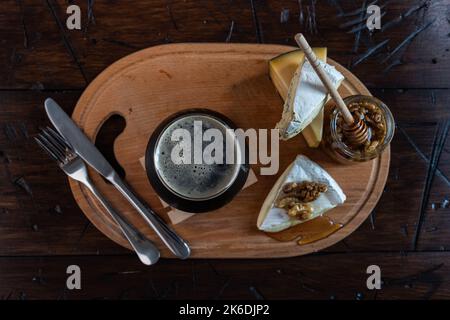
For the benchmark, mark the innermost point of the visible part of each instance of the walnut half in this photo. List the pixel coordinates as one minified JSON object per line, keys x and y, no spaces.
{"x":296,"y":197}
{"x":305,"y":191}
{"x":295,"y":208}
{"x":301,"y":210}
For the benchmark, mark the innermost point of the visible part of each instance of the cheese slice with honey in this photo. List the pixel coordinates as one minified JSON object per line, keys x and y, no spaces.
{"x":282,"y":70}
{"x":273,"y":219}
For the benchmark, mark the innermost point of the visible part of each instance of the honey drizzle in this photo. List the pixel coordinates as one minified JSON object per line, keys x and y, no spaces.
{"x":309,"y":231}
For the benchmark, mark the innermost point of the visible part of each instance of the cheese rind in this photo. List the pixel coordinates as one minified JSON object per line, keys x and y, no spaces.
{"x":272,"y":219}
{"x":282,"y":69}
{"x":314,"y":132}
{"x":305,"y":98}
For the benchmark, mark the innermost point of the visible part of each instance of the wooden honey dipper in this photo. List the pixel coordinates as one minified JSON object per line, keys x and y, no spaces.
{"x":355,"y":130}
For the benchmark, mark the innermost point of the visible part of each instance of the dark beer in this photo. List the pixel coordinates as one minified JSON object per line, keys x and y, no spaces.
{"x":195,"y":180}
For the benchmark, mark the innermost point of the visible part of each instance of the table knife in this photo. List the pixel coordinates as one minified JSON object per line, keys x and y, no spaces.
{"x":89,"y":153}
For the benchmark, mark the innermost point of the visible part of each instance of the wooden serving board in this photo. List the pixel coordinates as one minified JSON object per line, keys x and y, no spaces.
{"x":152,"y":84}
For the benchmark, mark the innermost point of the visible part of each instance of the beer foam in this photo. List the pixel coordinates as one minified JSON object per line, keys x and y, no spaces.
{"x":194,"y":181}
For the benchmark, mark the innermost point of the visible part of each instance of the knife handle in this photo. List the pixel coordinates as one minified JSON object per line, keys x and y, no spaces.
{"x":144,"y":248}
{"x":173,"y":241}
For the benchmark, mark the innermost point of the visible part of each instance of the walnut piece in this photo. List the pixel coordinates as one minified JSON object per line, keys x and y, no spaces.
{"x":296,"y":197}
{"x":301,"y":210}
{"x":287,"y":202}
{"x":305,"y":191}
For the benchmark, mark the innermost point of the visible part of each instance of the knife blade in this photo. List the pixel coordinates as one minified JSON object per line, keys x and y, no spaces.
{"x":78,"y":140}
{"x":89,"y":153}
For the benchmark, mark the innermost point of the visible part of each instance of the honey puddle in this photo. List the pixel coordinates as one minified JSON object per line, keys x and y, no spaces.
{"x":310,"y":231}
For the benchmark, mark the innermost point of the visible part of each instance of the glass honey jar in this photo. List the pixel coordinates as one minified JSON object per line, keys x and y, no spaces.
{"x":380,"y":126}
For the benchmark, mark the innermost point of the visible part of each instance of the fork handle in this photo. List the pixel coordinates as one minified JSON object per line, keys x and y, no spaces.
{"x":144,"y":248}
{"x":172,"y":240}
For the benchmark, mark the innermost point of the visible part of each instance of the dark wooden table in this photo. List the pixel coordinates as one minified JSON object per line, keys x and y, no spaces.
{"x":42,"y":230}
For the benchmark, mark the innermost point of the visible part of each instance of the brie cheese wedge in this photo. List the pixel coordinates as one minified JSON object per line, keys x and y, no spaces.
{"x":305,"y":99}
{"x":273,"y":219}
{"x":281,"y":70}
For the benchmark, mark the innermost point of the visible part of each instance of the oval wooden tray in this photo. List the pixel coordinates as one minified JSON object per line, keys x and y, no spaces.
{"x":149,"y":85}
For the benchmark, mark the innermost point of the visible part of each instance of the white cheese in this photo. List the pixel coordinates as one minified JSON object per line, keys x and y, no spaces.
{"x":305,"y":99}
{"x":272,"y":219}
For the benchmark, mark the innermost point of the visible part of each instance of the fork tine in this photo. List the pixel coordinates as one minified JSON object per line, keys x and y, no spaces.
{"x":54,"y":141}
{"x":45,"y":148}
{"x":58,"y":137}
{"x":60,"y":154}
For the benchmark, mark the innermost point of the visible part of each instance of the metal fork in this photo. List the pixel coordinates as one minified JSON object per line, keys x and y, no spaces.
{"x":74,"y":167}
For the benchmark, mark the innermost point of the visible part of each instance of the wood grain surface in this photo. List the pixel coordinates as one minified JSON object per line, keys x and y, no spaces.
{"x":42,"y":230}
